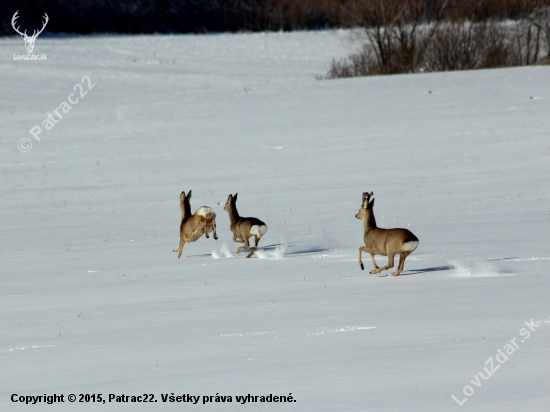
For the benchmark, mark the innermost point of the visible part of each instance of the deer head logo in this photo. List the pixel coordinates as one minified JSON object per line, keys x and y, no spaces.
{"x":29,"y":40}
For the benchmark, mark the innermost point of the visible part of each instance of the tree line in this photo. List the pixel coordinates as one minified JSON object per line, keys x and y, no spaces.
{"x":200,"y":16}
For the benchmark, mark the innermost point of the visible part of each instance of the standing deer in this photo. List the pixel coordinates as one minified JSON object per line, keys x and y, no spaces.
{"x":193,"y":226}
{"x":29,"y":40}
{"x":244,"y":227}
{"x":385,"y":242}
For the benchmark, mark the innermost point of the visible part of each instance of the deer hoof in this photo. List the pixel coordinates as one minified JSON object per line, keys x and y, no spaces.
{"x":216,"y":237}
{"x":362,"y":267}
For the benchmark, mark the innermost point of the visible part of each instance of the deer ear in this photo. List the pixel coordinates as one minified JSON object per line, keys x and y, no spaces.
{"x":371,"y":204}
{"x":189,"y":195}
{"x":229,"y":197}
{"x":235,"y":197}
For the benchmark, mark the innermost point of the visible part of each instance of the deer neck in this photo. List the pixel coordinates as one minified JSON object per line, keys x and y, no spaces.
{"x":185,"y":210}
{"x":234,"y":214}
{"x":182,"y":210}
{"x":369,"y":222}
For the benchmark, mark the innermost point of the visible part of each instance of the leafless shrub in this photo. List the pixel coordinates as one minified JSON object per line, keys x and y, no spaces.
{"x":467,"y":46}
{"x":400,"y":39}
{"x":363,"y":63}
{"x":534,"y":36}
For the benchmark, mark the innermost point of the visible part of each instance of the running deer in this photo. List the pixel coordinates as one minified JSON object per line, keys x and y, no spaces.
{"x":193,"y":226}
{"x":244,"y":227}
{"x":385,"y":242}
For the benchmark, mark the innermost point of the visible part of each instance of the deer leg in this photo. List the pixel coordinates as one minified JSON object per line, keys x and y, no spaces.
{"x":255,"y":247}
{"x":238,"y":240}
{"x":176,"y":248}
{"x":180,"y":248}
{"x":373,"y":262}
{"x":402,"y":258}
{"x":248,"y":247}
{"x":388,"y":266}
{"x":244,"y":240}
{"x":214,"y":230}
{"x":391,"y":257}
{"x":362,"y":249}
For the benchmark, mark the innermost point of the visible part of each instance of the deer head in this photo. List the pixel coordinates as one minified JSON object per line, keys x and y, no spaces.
{"x":29,"y":40}
{"x":230,"y":204}
{"x":366,"y":208}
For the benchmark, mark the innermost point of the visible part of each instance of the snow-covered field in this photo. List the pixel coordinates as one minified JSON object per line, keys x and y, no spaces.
{"x":94,"y":301}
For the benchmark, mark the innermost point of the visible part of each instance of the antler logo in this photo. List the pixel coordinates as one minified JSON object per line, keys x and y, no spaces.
{"x":29,"y":40}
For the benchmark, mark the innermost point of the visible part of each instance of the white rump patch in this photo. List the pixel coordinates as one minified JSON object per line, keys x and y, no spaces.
{"x":410,"y":246}
{"x":206,"y":212}
{"x":258,"y":230}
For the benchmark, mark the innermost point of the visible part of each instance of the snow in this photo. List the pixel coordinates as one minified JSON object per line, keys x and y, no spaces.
{"x":94,"y":300}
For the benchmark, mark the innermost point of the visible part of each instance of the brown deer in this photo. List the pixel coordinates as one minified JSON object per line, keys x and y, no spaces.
{"x":385,"y":242}
{"x":244,"y":227}
{"x":193,"y":226}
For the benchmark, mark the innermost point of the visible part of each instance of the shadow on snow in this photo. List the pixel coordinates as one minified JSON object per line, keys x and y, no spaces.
{"x":426,"y":270}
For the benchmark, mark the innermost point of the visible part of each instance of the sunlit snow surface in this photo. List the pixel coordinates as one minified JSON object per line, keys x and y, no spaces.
{"x":93,"y":299}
